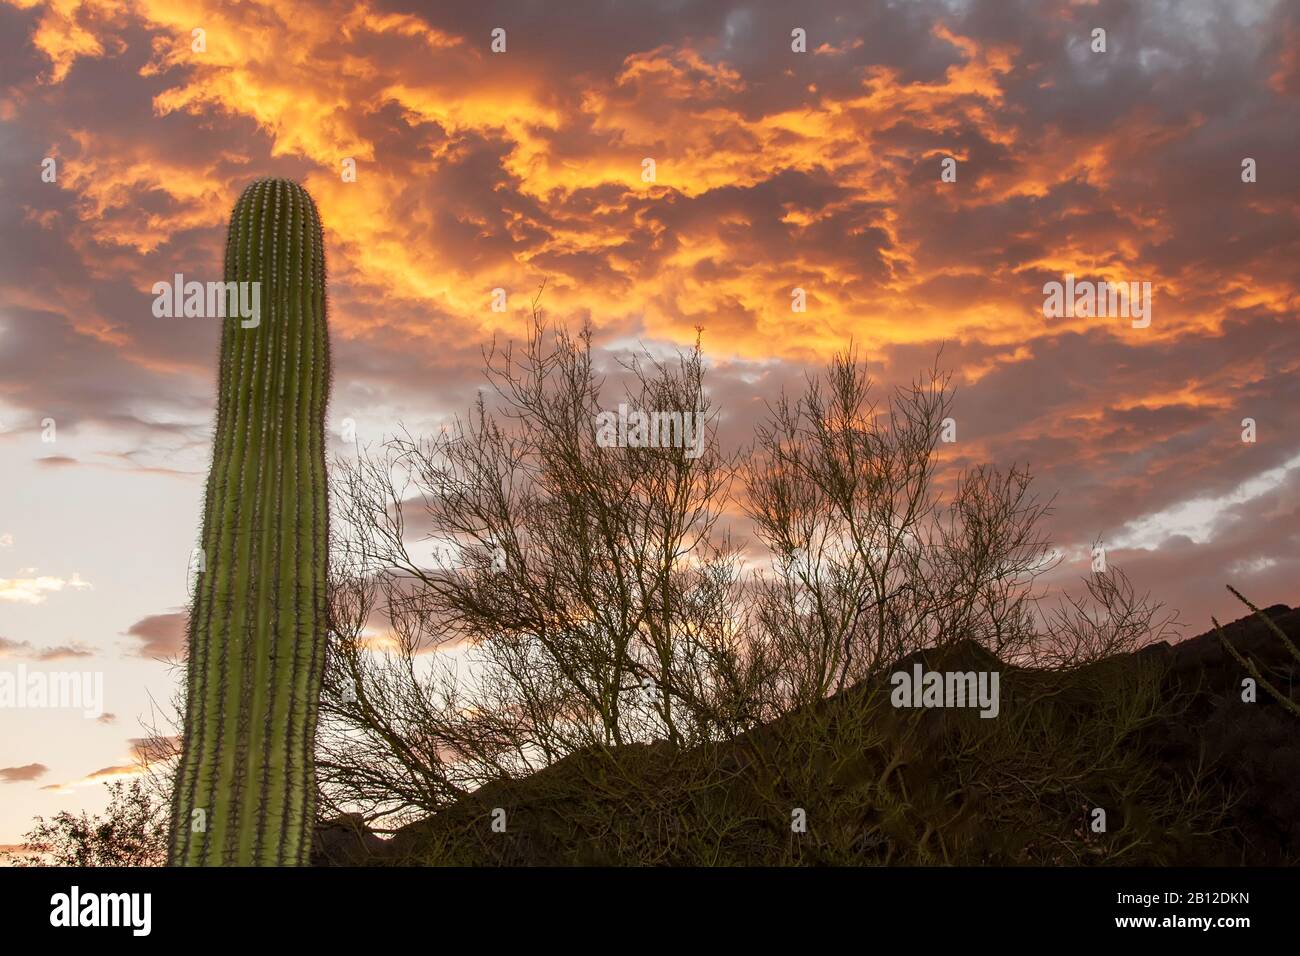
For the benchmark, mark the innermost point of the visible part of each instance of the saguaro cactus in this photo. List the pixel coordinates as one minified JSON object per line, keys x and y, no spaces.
{"x":245,"y":786}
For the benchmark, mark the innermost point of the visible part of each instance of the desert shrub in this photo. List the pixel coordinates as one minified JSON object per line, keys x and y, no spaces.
{"x":574,"y":634}
{"x":131,"y":832}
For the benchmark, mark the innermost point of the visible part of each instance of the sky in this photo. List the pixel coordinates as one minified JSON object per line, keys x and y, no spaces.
{"x":773,"y":170}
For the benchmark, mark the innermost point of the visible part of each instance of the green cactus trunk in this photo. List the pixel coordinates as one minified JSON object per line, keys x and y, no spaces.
{"x":245,"y":788}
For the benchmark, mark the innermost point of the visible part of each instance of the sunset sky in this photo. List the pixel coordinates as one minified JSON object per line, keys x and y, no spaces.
{"x":773,"y":170}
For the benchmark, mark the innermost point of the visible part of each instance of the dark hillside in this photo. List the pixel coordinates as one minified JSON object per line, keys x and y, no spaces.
{"x":1160,"y":740}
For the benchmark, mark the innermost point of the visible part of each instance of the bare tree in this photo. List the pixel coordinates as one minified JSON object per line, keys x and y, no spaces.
{"x":523,"y":588}
{"x":567,"y":592}
{"x":871,"y":561}
{"x":1109,"y":618}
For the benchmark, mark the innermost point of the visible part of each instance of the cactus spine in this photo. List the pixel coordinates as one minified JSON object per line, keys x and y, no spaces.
{"x":244,"y":790}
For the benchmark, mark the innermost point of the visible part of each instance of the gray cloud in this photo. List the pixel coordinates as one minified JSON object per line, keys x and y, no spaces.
{"x":22,"y":774}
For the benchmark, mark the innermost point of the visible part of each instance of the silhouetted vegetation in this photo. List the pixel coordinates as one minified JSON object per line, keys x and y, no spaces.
{"x":131,"y":832}
{"x":573,"y":646}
